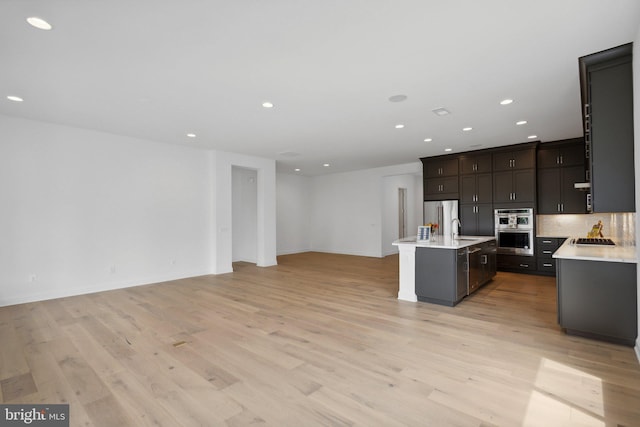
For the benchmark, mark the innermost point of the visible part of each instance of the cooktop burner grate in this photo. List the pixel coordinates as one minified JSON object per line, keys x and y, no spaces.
{"x":594,"y":241}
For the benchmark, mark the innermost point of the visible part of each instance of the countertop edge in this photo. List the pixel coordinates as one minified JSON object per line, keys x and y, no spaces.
{"x":444,"y":243}
{"x":624,"y":254}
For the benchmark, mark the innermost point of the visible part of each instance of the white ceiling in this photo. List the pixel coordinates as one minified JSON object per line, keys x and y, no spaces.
{"x":159,"y":69}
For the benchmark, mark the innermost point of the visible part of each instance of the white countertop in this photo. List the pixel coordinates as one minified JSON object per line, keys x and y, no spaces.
{"x":445,"y":242}
{"x":621,"y":252}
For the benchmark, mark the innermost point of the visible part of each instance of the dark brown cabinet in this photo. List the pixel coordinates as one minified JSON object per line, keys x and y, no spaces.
{"x":514,"y":178}
{"x":561,"y":165}
{"x":435,"y":167}
{"x":476,"y":188}
{"x":476,"y":194}
{"x":545,"y":247}
{"x":475,"y":163}
{"x":561,"y":154}
{"x":441,"y":188}
{"x":514,"y":187}
{"x":477,"y":219}
{"x":606,"y":81}
{"x":517,"y":159}
{"x":517,"y":263}
{"x":587,"y":308}
{"x":440,"y":178}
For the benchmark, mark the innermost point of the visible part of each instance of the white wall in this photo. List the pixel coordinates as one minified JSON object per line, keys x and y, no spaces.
{"x":244,"y":189}
{"x":390,"y":205}
{"x":84,"y":211}
{"x":346,"y":210}
{"x":293,"y":205}
{"x":636,"y":121}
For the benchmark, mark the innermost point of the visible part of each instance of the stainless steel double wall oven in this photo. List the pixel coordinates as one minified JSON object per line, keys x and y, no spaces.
{"x":514,"y":231}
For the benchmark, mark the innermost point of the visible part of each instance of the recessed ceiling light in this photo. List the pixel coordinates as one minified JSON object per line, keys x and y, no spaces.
{"x":521,"y":122}
{"x":448,"y":149}
{"x":14,"y":98}
{"x":400,"y":126}
{"x":467,"y":129}
{"x":506,"y":101}
{"x":191,"y":135}
{"x":297,"y":169}
{"x":39,"y":23}
{"x":428,"y":140}
{"x":397,"y":98}
{"x":326,"y":165}
{"x":267,"y":104}
{"x":441,"y":111}
{"x":532,"y":136}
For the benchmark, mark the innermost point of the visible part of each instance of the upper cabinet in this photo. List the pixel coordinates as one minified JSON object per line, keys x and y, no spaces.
{"x":514,"y":177}
{"x":561,"y":164}
{"x":436,"y":167}
{"x":606,"y":81}
{"x":516,"y":159}
{"x":440,"y":177}
{"x":471,"y":163}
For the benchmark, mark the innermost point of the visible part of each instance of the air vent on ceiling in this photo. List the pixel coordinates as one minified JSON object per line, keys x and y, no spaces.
{"x":441,"y":111}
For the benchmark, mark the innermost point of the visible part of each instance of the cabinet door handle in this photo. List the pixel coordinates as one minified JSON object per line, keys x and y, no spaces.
{"x":547,"y":241}
{"x":547,"y":252}
{"x":561,"y":159}
{"x":547,"y":265}
{"x":561,"y":207}
{"x":524,"y":265}
{"x":558,"y":210}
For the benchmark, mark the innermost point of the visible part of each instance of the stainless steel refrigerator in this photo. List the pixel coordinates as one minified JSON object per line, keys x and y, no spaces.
{"x":442,"y":213}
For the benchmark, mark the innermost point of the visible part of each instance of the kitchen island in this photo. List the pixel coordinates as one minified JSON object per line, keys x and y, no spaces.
{"x":445,"y":269}
{"x":597,"y":292}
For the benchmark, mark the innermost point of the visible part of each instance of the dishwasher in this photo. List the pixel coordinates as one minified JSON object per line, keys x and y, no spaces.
{"x":475,"y":259}
{"x":462,"y":267}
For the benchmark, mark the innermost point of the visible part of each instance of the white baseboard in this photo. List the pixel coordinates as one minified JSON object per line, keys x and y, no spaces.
{"x":293,"y":251}
{"x":348,"y":252}
{"x":637,"y":348}
{"x":108,"y":286}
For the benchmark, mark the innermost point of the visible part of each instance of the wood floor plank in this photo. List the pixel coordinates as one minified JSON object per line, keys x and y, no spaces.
{"x":319,"y":339}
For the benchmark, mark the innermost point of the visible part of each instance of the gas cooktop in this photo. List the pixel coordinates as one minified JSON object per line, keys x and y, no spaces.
{"x":593,"y":241}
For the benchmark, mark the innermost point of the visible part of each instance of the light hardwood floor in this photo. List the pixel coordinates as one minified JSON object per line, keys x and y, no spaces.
{"x":318,"y":340}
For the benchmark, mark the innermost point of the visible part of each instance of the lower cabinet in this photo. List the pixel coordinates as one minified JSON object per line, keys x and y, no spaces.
{"x":598,"y":299}
{"x":545,"y":247}
{"x":445,"y":276}
{"x":517,"y":263}
{"x":482,"y":264}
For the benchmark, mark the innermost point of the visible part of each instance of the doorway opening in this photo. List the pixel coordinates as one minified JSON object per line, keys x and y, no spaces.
{"x":402,"y":213}
{"x":244,"y":211}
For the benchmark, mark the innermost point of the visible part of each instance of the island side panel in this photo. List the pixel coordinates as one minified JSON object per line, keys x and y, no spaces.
{"x":598,"y":299}
{"x":406,"y":287}
{"x":436,"y":275}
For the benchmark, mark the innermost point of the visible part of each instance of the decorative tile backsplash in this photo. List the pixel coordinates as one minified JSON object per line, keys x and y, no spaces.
{"x":617,"y":226}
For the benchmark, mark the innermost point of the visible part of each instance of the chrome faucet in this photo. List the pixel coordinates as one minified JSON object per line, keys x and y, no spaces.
{"x":454,"y":231}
